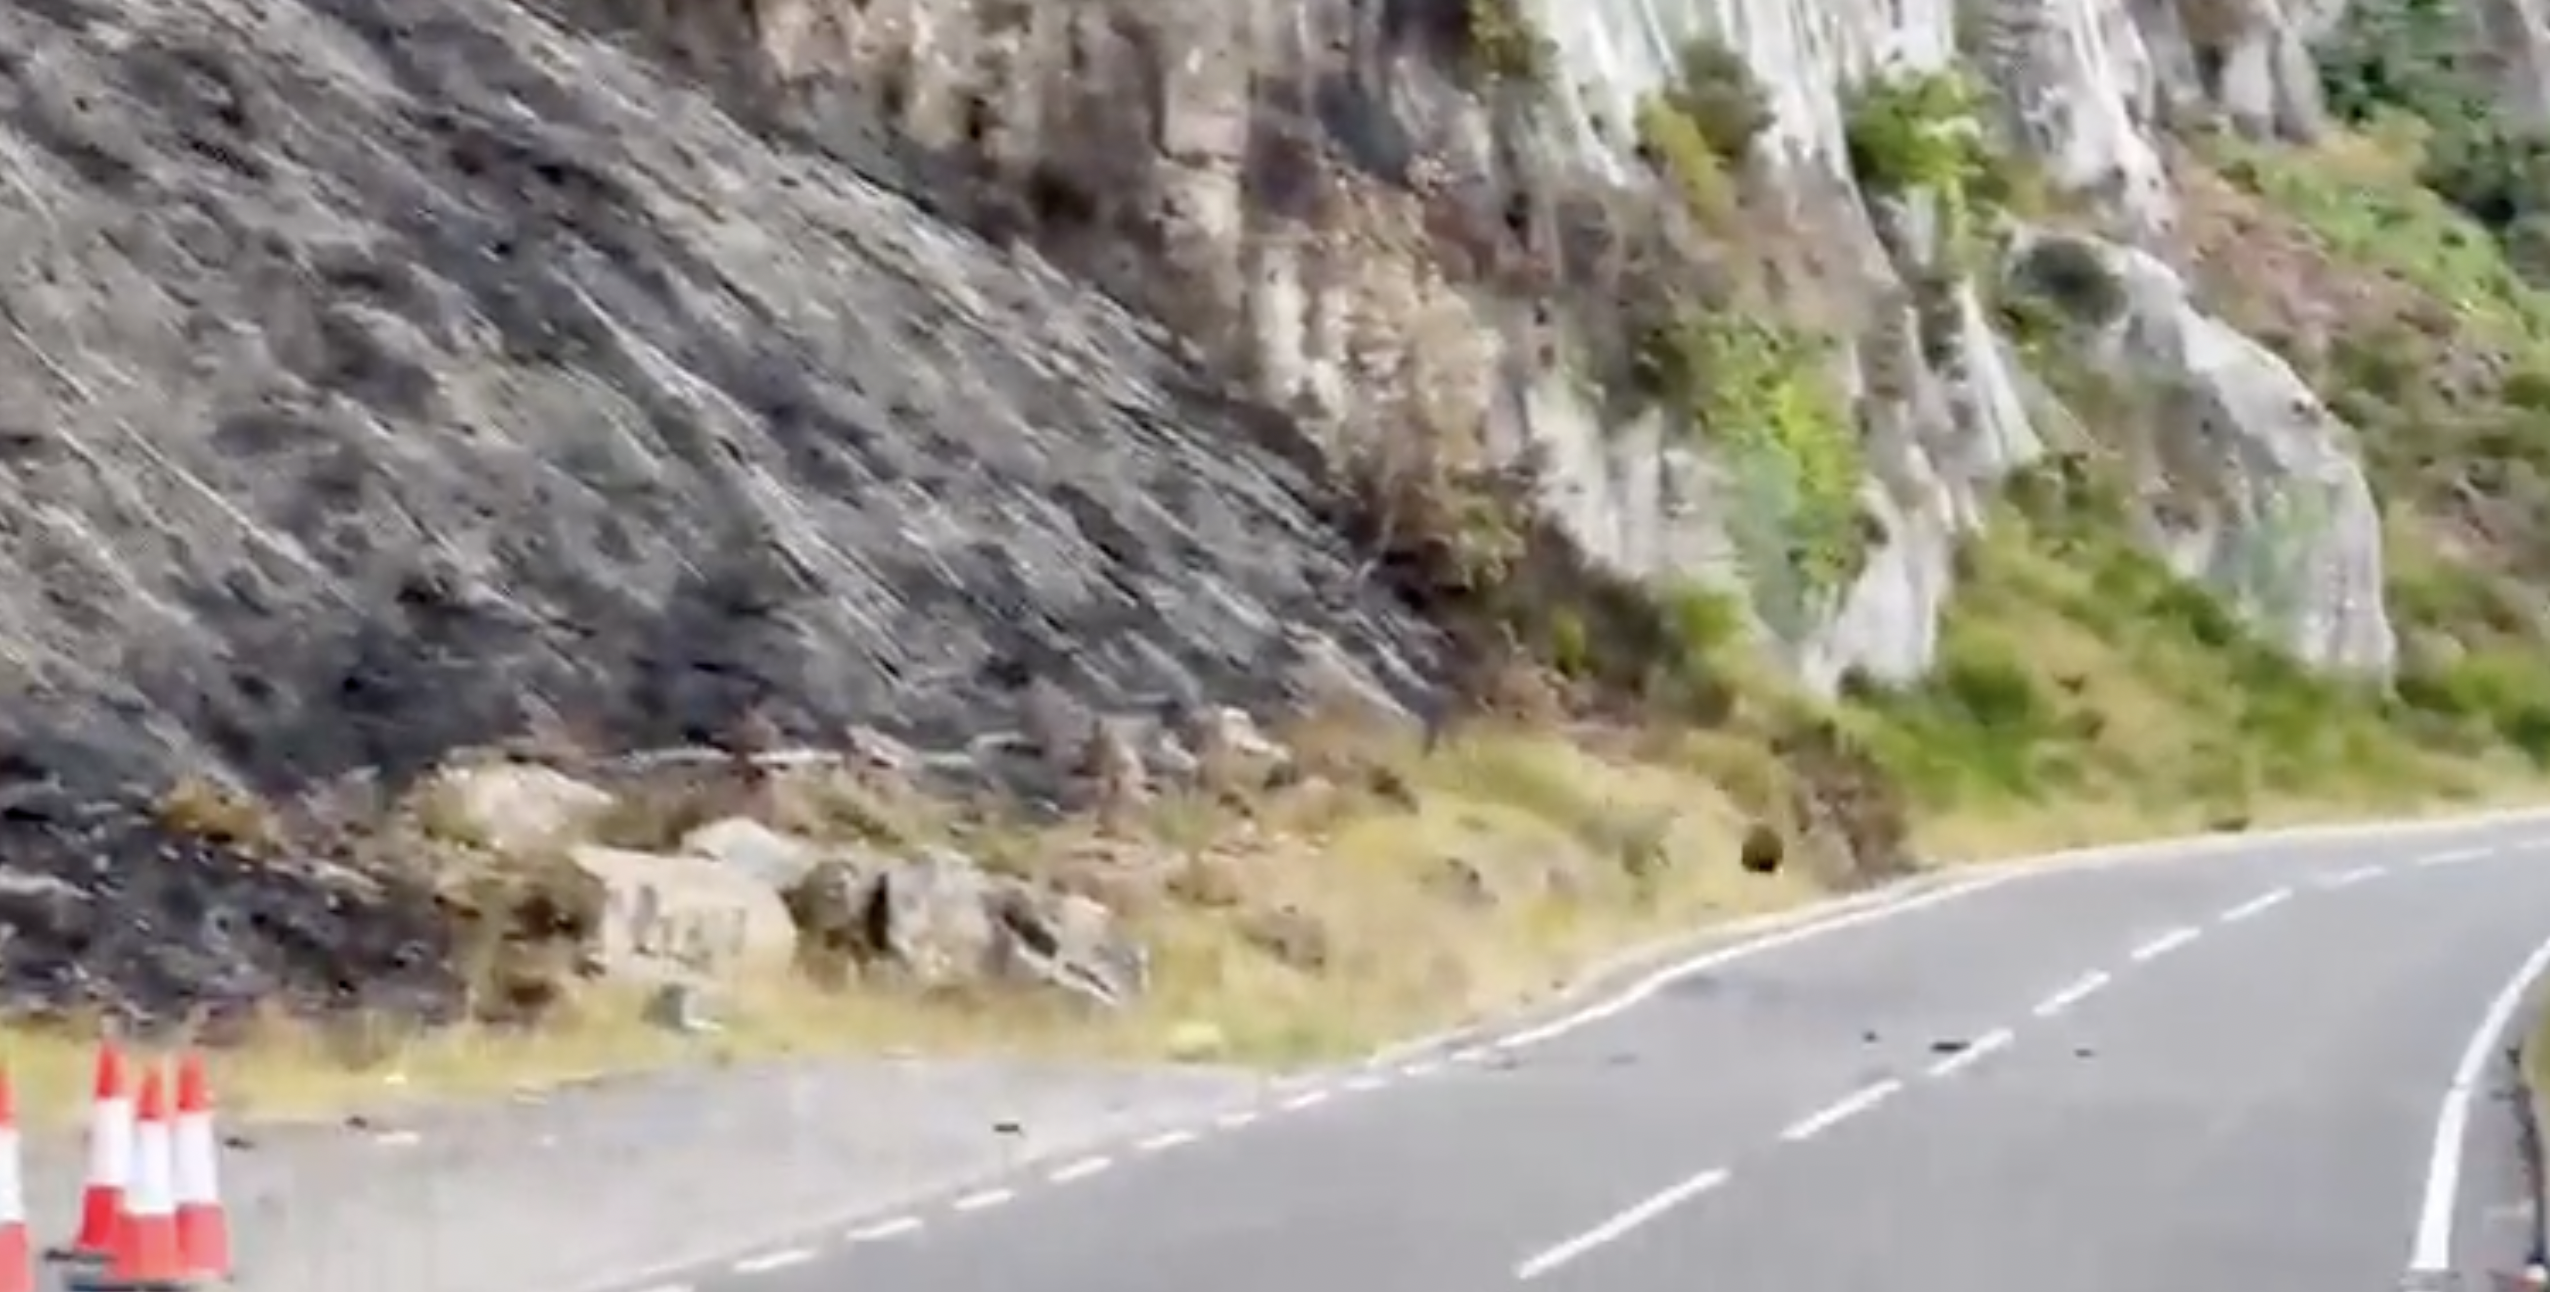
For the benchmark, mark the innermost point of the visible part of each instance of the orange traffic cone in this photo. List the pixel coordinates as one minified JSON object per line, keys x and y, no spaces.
{"x":145,"y":1250}
{"x":110,"y":1160}
{"x":203,"y":1229}
{"x":17,"y":1264}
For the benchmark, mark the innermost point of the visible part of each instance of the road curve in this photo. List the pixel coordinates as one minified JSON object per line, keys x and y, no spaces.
{"x":2217,"y":1072}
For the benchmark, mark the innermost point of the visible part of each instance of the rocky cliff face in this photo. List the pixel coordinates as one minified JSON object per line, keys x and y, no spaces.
{"x":380,"y":378}
{"x":1318,"y":193}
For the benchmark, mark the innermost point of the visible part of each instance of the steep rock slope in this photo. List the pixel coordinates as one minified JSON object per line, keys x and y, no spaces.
{"x":386,"y":377}
{"x":1363,"y":224}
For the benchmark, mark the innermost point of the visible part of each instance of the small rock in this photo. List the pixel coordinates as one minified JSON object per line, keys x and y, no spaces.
{"x":878,"y":754}
{"x":1763,"y":849}
{"x":1232,"y":755}
{"x":1465,"y":882}
{"x":681,"y":1007}
{"x":1291,"y":935}
{"x":664,"y":913}
{"x":1111,"y":762}
{"x":1053,"y":723}
{"x":513,"y":807}
{"x":754,"y":849}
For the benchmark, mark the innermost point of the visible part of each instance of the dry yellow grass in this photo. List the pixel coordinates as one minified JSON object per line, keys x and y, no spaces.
{"x":1514,"y":861}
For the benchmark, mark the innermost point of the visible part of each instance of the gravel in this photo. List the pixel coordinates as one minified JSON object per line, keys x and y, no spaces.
{"x":612,"y":1184}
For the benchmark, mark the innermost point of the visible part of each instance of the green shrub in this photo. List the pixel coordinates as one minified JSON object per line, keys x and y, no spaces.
{"x":1917,"y":131}
{"x":1718,"y":93}
{"x":1673,"y":145}
{"x":1500,"y":47}
{"x":1762,"y":396}
{"x":1701,"y":127}
{"x":2073,"y":277}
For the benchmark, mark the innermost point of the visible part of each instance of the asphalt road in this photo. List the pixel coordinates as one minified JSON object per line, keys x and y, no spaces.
{"x":2223,"y":1072}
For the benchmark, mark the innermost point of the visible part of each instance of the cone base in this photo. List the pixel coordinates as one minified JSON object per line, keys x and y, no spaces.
{"x":75,"y":1256}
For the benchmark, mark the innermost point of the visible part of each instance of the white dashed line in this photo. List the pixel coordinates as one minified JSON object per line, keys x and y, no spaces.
{"x":2452,"y":857}
{"x":1081,"y":1170}
{"x":1366,"y":1084}
{"x":883,"y":1230}
{"x":1166,"y":1140}
{"x":2350,"y":878}
{"x":768,"y":1261}
{"x":1616,"y":1226}
{"x":2082,"y":989}
{"x":1841,"y":1110}
{"x":668,"y":1287}
{"x":2164,"y":944}
{"x":987,"y":1198}
{"x":1306,"y":1099}
{"x":1235,"y":1120}
{"x":1974,"y":1052}
{"x":2259,"y":905}
{"x":1415,"y":1071}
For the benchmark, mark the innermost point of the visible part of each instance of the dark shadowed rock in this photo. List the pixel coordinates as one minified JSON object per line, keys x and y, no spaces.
{"x":416,"y":369}
{"x":388,"y":376}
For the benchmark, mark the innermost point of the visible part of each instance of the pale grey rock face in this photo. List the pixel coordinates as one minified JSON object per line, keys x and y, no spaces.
{"x":2277,"y":517}
{"x":381,"y":377}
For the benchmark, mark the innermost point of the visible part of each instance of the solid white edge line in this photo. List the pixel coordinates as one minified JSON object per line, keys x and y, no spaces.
{"x":2432,"y":1252}
{"x":2076,"y":861}
{"x":1655,"y":1205}
{"x":1645,"y":989}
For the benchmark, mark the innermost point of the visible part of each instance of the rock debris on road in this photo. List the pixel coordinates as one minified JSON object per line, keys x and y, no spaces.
{"x":2152,"y":1078}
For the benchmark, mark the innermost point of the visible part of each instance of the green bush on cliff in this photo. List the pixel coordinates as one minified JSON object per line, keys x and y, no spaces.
{"x":1500,"y":47}
{"x":1924,"y":132}
{"x":2421,"y":59}
{"x":1702,"y":126}
{"x":1789,"y":445}
{"x":1914,"y":131}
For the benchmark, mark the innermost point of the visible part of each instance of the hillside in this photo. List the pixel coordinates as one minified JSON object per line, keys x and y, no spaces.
{"x":1286,"y":522}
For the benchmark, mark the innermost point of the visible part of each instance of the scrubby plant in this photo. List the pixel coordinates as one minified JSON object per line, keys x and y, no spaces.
{"x":1924,"y":132}
{"x":1715,"y":89}
{"x":2420,"y":59}
{"x":1698,"y":130}
{"x":1499,"y":45}
{"x":2071,"y":276}
{"x":1914,"y":131}
{"x":1674,"y":146}
{"x":1762,"y":396}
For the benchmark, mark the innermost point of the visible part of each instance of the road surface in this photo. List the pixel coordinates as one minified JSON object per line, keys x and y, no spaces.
{"x":2221,"y":1072}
